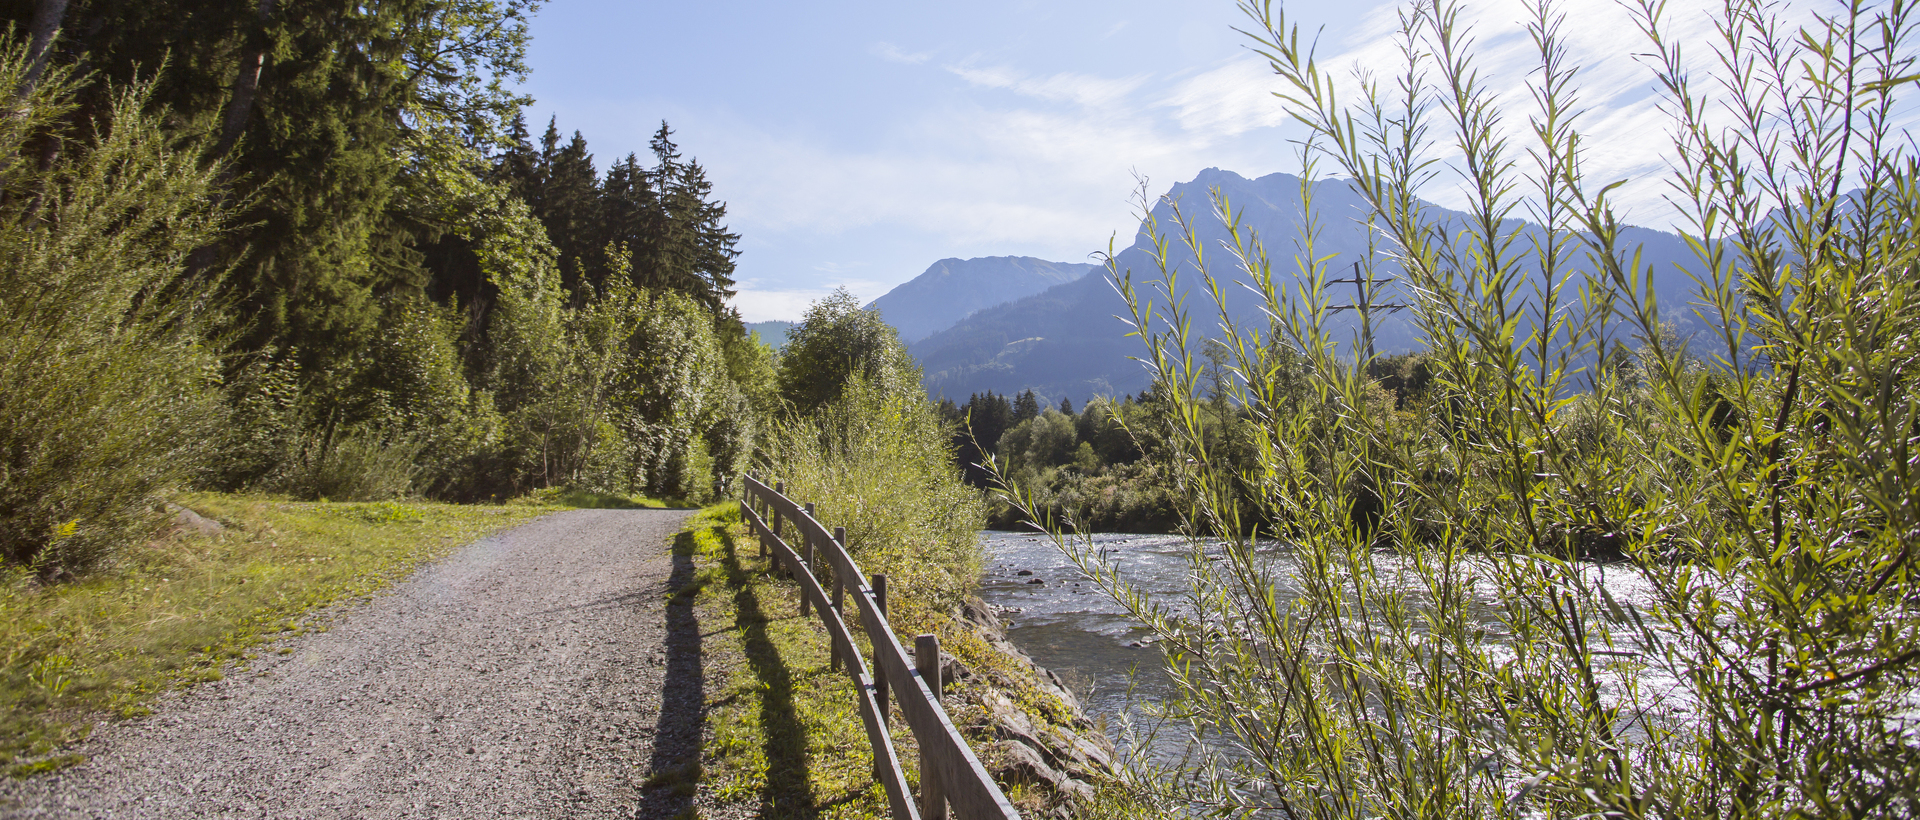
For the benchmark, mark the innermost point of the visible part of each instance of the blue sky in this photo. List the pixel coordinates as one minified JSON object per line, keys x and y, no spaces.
{"x":858,"y":142}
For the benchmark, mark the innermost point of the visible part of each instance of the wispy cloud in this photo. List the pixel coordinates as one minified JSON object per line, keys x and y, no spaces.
{"x":771,"y":305}
{"x":892,"y":54}
{"x":1046,"y":169}
{"x":1626,"y":132}
{"x":1229,"y":100}
{"x":1082,"y":89}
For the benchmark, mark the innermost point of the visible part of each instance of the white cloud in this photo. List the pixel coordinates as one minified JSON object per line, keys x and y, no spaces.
{"x":892,"y":53}
{"x":775,"y":305}
{"x":1228,"y":100}
{"x":1048,"y":173}
{"x":1084,"y":89}
{"x":1626,"y":134}
{"x":768,"y":304}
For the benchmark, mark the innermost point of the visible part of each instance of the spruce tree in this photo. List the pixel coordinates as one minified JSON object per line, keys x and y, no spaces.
{"x":1027,"y":406}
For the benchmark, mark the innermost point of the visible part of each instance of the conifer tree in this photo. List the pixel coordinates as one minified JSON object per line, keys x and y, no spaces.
{"x":567,"y":202}
{"x":689,"y":249}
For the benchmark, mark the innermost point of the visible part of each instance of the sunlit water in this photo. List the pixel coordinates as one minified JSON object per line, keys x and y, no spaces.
{"x":1069,"y":625}
{"x":1072,"y":627}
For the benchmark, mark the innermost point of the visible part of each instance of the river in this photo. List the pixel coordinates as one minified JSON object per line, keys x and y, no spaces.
{"x":1067,"y":624}
{"x":1070,"y":626}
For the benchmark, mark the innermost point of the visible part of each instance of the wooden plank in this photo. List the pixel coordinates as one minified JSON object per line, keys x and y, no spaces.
{"x":891,"y":773}
{"x":970,"y":790}
{"x":837,"y":631}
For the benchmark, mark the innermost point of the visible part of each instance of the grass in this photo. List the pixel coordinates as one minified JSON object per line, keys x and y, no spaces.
{"x":185,"y":607}
{"x":579,"y":499}
{"x":783,"y":734}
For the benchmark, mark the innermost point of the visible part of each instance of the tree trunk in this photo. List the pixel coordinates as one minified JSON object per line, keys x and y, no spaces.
{"x":47,"y":17}
{"x":246,"y":82}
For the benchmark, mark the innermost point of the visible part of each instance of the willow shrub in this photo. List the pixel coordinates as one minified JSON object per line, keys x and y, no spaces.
{"x":108,"y":395}
{"x":1457,"y":651}
{"x":878,"y":462}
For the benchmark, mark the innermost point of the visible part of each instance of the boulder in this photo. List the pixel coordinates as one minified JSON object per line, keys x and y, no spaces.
{"x":186,"y":520}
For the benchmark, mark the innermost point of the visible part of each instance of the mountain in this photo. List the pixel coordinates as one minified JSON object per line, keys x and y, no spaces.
{"x":773,"y":333}
{"x":953,"y":288}
{"x":1067,"y":342}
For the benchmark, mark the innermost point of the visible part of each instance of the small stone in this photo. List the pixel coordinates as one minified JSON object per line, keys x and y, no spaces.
{"x":1024,"y":572}
{"x":1037,"y":581}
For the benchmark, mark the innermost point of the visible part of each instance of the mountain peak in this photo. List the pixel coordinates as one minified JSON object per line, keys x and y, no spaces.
{"x":952,"y":288}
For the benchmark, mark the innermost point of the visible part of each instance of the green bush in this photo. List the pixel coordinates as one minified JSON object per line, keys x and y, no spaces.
{"x":877,"y":461}
{"x":107,"y":385}
{"x":835,"y":343}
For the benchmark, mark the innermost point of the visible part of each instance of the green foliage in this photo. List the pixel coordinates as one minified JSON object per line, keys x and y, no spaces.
{"x":1411,"y":622}
{"x":107,"y":390}
{"x":427,"y":305}
{"x":837,"y":343}
{"x":875,"y":460}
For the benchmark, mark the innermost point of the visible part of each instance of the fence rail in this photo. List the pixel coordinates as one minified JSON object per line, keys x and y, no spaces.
{"x":950,"y":773}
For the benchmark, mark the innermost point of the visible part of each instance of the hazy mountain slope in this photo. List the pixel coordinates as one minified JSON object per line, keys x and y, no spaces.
{"x":952,"y":288}
{"x":773,"y":333}
{"x":1065,"y":341}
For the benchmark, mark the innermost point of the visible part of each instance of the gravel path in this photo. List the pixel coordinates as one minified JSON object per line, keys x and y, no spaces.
{"x":538,"y":673}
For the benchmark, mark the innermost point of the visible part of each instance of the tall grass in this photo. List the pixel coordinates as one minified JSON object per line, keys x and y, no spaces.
{"x":108,"y":393}
{"x":1436,"y":637}
{"x":877,"y":461}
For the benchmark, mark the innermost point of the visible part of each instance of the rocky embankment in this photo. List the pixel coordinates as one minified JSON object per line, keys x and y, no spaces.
{"x":1026,"y":724}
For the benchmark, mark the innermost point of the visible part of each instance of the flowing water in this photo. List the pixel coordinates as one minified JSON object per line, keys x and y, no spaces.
{"x":1070,"y":626}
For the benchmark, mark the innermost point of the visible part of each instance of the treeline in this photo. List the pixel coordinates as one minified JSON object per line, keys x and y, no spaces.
{"x":310,"y":248}
{"x":1108,"y":467}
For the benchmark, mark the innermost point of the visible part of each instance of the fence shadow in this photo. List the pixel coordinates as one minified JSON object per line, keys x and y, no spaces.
{"x":789,"y":791}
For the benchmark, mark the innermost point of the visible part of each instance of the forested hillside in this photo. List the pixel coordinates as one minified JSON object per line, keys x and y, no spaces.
{"x":314,"y":249}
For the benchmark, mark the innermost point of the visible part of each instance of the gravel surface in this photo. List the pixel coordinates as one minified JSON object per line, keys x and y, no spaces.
{"x":541,"y":672}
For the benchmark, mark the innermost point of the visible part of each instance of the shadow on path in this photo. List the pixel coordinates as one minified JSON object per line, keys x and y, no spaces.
{"x":673,"y":776}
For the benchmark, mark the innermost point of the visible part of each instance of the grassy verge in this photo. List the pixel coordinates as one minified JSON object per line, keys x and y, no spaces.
{"x":181,"y":608}
{"x":783,"y":734}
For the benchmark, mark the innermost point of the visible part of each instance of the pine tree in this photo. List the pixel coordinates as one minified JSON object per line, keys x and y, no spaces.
{"x":567,"y":201}
{"x":1027,"y":406}
{"x":628,"y":205}
{"x":688,"y":248}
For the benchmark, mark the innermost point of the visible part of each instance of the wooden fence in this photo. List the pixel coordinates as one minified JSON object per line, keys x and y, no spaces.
{"x":950,"y":773}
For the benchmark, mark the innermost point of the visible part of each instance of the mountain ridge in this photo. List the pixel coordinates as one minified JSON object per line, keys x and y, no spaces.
{"x":1066,"y":342}
{"x":952,"y":289}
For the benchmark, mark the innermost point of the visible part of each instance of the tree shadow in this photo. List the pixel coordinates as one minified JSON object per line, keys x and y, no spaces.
{"x":674,"y":772}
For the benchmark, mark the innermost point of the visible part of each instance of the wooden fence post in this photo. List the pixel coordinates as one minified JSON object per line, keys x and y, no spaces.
{"x":933,"y":794}
{"x":879,"y":671}
{"x":839,"y":589}
{"x":806,"y":557}
{"x":780,"y":488}
{"x":760,"y":511}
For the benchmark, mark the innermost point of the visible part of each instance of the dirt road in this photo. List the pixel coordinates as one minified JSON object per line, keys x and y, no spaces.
{"x":538,"y":673}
